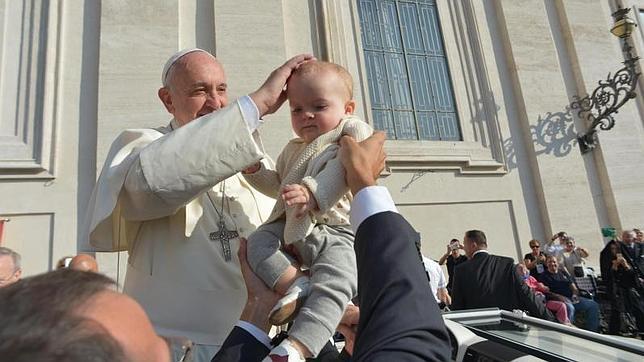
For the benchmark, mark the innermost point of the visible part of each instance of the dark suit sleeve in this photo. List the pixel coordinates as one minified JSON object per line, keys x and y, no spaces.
{"x":240,"y":346}
{"x":399,"y":320}
{"x":528,"y":300}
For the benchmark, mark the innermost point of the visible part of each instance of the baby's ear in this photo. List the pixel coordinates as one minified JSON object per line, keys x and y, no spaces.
{"x":349,"y":107}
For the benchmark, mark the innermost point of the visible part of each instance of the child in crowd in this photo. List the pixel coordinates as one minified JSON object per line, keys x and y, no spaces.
{"x":311,"y":216}
{"x":540,"y":290}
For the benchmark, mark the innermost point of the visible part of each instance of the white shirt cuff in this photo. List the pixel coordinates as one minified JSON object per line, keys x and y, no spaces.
{"x":249,"y":112}
{"x":369,"y":201}
{"x":255,"y":332}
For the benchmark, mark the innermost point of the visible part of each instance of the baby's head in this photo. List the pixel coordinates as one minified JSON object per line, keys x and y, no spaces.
{"x":319,"y":95}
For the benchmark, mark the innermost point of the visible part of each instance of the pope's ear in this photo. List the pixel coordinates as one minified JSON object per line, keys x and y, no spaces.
{"x":166,"y":98}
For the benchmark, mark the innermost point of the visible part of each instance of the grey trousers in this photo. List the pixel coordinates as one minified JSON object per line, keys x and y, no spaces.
{"x":329,"y":255}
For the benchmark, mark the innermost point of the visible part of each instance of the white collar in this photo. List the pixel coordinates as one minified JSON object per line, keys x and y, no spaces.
{"x":480,"y":251}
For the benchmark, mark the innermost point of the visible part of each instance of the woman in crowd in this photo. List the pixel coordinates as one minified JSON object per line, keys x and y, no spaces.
{"x":535,"y":259}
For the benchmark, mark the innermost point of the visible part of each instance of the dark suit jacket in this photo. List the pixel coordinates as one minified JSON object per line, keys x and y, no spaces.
{"x":399,"y":318}
{"x":240,"y":346}
{"x":636,"y":255}
{"x":492,"y":281}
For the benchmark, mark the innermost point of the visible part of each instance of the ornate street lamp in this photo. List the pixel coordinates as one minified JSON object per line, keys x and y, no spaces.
{"x":599,"y":108}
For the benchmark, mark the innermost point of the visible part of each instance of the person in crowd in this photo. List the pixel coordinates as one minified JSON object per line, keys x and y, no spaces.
{"x":634,"y":250}
{"x":452,"y":257}
{"x":312,"y":210}
{"x":63,"y":262}
{"x":10,"y":267}
{"x":563,"y":289}
{"x":437,"y":282}
{"x":397,"y":320}
{"x":574,"y":256}
{"x":560,"y":309}
{"x":556,"y":246}
{"x":535,"y":259}
{"x":84,"y":262}
{"x":178,"y":200}
{"x":624,"y":287}
{"x":487,"y":280}
{"x":639,"y":236}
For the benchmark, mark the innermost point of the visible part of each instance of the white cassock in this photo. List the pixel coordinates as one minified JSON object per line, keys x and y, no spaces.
{"x":152,"y":200}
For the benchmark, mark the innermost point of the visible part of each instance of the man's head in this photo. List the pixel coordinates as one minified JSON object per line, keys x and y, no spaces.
{"x":319,"y":95}
{"x":84,"y":262}
{"x":639,"y":235}
{"x":455,"y":247}
{"x":194,"y":84}
{"x":68,"y":315}
{"x":10,"y":269}
{"x":474,"y":241}
{"x":628,"y":237}
{"x":552,"y":264}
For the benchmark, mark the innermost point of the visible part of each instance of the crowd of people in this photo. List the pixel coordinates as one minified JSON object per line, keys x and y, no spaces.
{"x":327,"y":249}
{"x":554,"y":275}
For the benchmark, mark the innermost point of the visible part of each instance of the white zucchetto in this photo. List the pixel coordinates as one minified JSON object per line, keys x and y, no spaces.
{"x":174,"y":58}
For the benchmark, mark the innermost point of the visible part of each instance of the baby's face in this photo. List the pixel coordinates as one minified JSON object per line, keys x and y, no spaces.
{"x":317,"y":102}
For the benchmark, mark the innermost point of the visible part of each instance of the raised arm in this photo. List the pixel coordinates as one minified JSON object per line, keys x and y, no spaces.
{"x":171,"y":171}
{"x":389,"y":274}
{"x":176,"y":168}
{"x":443,"y":258}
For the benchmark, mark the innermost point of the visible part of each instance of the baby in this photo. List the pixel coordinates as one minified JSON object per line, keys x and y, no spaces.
{"x":311,"y":216}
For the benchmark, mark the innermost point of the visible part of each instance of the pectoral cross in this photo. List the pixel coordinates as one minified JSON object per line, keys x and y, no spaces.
{"x":224,"y":236}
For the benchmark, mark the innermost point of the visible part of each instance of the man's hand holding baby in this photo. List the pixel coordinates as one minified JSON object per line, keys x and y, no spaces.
{"x":300,"y":197}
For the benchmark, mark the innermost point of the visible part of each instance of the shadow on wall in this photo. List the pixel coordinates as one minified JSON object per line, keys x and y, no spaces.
{"x":554,"y":134}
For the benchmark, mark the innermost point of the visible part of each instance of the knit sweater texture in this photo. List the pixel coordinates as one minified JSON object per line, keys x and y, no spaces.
{"x":315,"y":166}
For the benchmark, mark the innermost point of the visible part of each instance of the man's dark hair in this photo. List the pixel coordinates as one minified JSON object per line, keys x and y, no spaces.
{"x":477,"y":237}
{"x":40,"y":320}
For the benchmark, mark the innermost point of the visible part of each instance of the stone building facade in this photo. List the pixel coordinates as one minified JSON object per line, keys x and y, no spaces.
{"x":74,"y":73}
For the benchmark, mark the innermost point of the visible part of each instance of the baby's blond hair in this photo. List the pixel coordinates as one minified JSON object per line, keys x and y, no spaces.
{"x":318,"y":66}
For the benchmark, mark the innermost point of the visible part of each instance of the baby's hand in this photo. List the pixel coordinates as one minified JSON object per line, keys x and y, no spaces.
{"x":252,"y":169}
{"x":300,"y":197}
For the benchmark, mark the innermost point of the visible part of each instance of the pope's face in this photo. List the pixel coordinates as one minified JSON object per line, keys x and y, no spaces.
{"x":196,"y":87}
{"x":317,"y":102}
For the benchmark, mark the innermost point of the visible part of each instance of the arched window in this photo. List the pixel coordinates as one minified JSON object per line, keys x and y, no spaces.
{"x":407,"y":72}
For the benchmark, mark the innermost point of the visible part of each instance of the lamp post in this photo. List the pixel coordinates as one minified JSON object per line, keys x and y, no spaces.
{"x":599,"y":108}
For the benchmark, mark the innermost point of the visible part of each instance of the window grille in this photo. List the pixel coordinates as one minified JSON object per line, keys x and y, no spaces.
{"x":409,"y":83}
